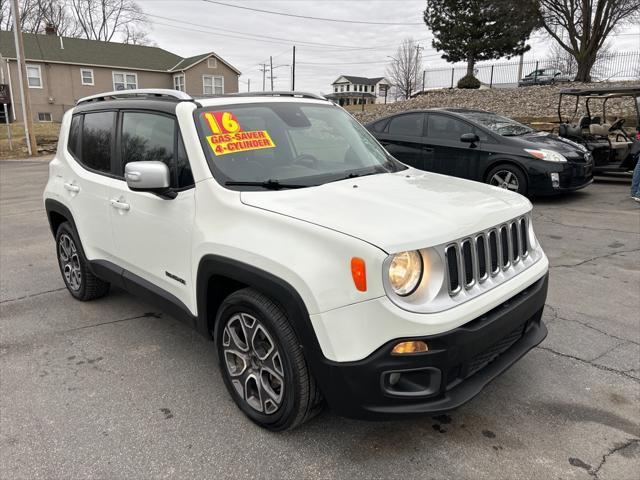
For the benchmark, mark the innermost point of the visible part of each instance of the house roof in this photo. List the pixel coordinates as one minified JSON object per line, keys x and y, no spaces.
{"x":359,"y":80}
{"x":349,"y":95}
{"x":80,"y":51}
{"x":187,"y":63}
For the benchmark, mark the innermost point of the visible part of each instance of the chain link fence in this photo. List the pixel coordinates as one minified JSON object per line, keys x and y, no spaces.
{"x":608,"y":67}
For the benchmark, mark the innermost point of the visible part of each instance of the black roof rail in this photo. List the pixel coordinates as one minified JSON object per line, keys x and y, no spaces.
{"x":275,"y":94}
{"x":137,"y":93}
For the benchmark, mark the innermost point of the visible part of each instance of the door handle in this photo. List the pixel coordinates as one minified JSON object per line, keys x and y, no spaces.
{"x":427,"y":149}
{"x":115,"y":203}
{"x":71,"y":187}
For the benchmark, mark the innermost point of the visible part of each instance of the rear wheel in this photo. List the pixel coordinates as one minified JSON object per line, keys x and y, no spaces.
{"x":508,"y":177}
{"x":262,"y":362}
{"x":77,"y":276}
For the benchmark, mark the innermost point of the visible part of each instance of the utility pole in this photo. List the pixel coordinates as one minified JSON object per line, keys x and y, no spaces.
{"x":271,"y":71}
{"x":248,"y":84}
{"x":415,"y":78}
{"x":32,"y":147}
{"x":293,"y":70}
{"x":264,"y":74}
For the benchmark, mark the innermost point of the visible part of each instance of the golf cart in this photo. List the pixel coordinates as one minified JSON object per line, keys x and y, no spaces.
{"x":614,"y":148}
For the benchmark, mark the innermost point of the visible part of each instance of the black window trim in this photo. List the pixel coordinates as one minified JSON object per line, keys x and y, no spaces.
{"x":109,"y":173}
{"x":177,"y":134}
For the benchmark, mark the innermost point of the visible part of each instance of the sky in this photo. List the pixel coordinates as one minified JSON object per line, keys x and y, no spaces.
{"x":324,"y":49}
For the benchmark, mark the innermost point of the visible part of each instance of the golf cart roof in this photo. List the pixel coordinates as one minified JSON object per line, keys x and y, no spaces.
{"x":633,"y":90}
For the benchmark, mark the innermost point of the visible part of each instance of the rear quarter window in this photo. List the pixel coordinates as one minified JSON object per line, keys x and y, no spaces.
{"x":73,"y":144}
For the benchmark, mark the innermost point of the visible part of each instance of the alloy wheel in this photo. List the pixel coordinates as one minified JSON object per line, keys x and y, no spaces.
{"x":505,"y":179}
{"x":253,"y":362}
{"x":70,"y":262}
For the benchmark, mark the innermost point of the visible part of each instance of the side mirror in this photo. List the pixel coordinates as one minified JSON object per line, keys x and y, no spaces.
{"x":470,"y":138}
{"x":149,"y":177}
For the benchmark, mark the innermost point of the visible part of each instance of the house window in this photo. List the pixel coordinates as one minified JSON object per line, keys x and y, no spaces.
{"x":34,"y":76}
{"x":348,"y":87}
{"x":86,"y":74}
{"x":125,"y":81}
{"x":212,"y":85}
{"x":335,"y":89}
{"x":212,"y":63}
{"x":44,"y":117}
{"x":178,"y":82}
{"x":342,"y":88}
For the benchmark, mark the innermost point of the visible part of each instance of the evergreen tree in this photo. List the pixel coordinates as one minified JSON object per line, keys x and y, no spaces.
{"x":475,"y":30}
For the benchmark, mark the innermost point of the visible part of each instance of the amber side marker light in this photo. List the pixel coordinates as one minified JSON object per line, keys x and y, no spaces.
{"x":414,"y":346}
{"x":359,"y":273}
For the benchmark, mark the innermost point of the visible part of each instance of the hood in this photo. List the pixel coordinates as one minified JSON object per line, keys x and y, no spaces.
{"x":397,"y":211}
{"x":553,"y":142}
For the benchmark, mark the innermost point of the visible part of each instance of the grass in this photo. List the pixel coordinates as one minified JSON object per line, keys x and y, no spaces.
{"x":46,"y":138}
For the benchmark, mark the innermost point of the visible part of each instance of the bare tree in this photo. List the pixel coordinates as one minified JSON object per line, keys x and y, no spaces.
{"x":106,"y":19}
{"x":566,"y":63}
{"x":586,"y":25}
{"x":405,"y":67}
{"x":136,"y":36}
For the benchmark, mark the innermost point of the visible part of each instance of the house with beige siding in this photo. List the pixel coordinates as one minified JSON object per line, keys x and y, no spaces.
{"x":61,"y":70}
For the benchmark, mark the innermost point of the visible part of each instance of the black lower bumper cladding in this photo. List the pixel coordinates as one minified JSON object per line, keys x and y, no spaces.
{"x":457,"y":366}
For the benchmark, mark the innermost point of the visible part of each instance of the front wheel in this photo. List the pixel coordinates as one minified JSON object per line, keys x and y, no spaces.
{"x":262,"y":364}
{"x":508,"y":177}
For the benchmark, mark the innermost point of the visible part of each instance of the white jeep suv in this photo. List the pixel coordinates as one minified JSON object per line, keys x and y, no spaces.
{"x":323,"y":269}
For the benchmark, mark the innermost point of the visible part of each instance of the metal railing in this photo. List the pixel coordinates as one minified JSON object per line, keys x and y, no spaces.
{"x":613,"y":66}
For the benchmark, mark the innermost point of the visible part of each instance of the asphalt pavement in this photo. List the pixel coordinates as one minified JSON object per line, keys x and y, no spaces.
{"x":117,"y":389}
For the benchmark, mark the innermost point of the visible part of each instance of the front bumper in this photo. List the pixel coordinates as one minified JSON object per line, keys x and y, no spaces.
{"x":572,"y":175}
{"x":458,"y":365}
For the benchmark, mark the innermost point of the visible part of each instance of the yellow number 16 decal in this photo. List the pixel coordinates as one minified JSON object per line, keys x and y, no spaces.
{"x":222,"y":122}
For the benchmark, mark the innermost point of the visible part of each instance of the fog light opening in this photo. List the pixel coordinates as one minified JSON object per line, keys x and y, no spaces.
{"x":414,"y":346}
{"x":555,"y":180}
{"x":394,"y":378}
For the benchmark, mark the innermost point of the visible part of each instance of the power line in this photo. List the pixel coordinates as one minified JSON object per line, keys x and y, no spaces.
{"x":308,"y":17}
{"x":259,"y":36}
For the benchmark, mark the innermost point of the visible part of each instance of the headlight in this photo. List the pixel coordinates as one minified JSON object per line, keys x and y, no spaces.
{"x":548,"y":155}
{"x":405,"y":272}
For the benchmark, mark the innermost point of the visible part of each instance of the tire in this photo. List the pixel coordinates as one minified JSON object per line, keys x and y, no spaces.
{"x":267,"y":376}
{"x":508,"y":177}
{"x":74,"y":267}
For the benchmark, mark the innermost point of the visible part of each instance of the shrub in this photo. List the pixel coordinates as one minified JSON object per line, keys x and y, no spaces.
{"x":468,"y":81}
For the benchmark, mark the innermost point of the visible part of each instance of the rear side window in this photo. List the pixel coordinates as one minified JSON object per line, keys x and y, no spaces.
{"x":73,"y":143}
{"x":410,"y":125}
{"x":97,"y":140}
{"x":153,"y":137}
{"x":379,"y":126}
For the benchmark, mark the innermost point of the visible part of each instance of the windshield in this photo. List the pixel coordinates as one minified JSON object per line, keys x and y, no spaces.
{"x":501,"y":125}
{"x":287,"y":145}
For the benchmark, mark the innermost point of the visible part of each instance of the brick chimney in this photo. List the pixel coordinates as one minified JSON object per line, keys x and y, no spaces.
{"x":50,"y":29}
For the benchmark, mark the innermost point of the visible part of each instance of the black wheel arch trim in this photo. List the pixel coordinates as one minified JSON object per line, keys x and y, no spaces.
{"x":277,"y":289}
{"x":272,"y":286}
{"x":54,"y":206}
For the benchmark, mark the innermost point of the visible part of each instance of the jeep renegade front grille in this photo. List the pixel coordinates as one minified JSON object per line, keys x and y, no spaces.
{"x":472,"y":260}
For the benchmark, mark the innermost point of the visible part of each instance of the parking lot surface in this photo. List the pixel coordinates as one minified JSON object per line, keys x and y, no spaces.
{"x":117,"y":389}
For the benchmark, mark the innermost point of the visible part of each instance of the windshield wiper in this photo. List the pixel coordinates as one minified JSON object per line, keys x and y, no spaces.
{"x":270,"y":184}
